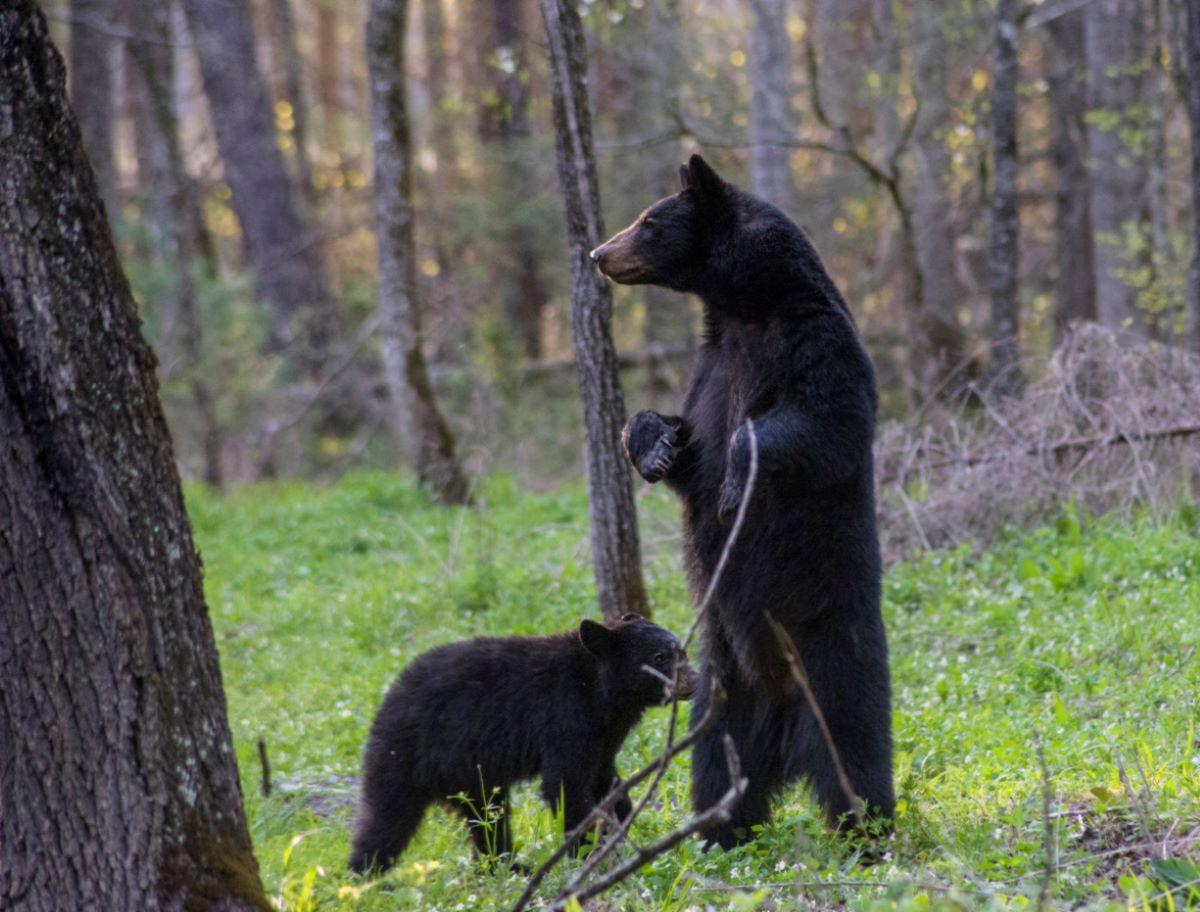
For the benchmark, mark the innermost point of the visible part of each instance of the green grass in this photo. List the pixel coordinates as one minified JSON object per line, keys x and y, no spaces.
{"x":1081,"y":637}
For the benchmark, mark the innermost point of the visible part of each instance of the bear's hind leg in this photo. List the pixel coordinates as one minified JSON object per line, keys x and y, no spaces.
{"x":384,"y":831}
{"x":850,"y":683}
{"x":754,"y":726}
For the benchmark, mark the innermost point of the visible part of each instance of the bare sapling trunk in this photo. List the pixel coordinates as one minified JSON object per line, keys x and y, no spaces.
{"x":771,"y":129}
{"x":616,"y":552}
{"x":1115,"y":45}
{"x":119,"y":787}
{"x":92,"y":91}
{"x":937,"y":343}
{"x":1004,"y":218}
{"x":293,"y":65}
{"x":423,"y":431}
{"x":1192,"y":57}
{"x":1074,"y":282}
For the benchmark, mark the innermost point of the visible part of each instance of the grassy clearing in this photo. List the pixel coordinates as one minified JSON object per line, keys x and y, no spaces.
{"x":1081,"y":636}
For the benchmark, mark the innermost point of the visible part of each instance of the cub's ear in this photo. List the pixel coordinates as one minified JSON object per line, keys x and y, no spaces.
{"x":596,"y":638}
{"x":699,"y":174}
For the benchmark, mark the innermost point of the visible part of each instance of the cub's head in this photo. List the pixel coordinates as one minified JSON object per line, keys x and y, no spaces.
{"x":669,"y":243}
{"x":641,"y":663}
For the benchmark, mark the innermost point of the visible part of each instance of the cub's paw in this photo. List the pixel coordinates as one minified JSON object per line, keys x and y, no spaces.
{"x":653,"y":443}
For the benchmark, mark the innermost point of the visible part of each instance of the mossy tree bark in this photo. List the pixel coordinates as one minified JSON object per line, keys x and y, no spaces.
{"x":423,"y":431}
{"x":118,"y":782}
{"x":616,"y":551}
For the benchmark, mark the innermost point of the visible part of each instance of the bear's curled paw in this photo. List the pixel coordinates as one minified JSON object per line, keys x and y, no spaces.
{"x":652,"y":444}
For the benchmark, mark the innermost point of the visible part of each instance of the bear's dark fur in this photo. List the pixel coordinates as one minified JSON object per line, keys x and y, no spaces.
{"x":780,"y":348}
{"x":466,"y":721}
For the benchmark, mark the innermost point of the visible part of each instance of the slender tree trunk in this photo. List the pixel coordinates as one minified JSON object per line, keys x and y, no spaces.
{"x":1005,"y":222}
{"x":93,"y":90}
{"x":153,"y":58}
{"x":843,"y":29}
{"x":938,"y":345}
{"x":1192,"y":58}
{"x":329,"y":73}
{"x":616,"y":552}
{"x":505,"y":122}
{"x":293,"y":66}
{"x":423,"y":430}
{"x":771,"y":126}
{"x":1074,"y":281}
{"x":1115,"y":46}
{"x":118,"y":782}
{"x":279,"y":244}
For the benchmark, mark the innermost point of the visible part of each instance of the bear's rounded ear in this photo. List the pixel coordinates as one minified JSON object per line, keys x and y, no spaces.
{"x":596,"y":638}
{"x":704,"y":178}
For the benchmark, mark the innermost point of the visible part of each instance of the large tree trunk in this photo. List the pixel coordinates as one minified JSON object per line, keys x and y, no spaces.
{"x":93,"y":90}
{"x":118,"y":781}
{"x":938,"y":345}
{"x":423,"y":431}
{"x":1074,"y":280}
{"x":1192,"y":58}
{"x":154,"y":59}
{"x":616,"y":552}
{"x":1115,"y":47}
{"x":504,"y":121}
{"x":770,"y":126}
{"x":1004,"y":218}
{"x":278,"y":242}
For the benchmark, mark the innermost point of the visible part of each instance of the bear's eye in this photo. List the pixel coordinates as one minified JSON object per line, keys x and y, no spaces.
{"x":660,"y":660}
{"x":648,"y":222}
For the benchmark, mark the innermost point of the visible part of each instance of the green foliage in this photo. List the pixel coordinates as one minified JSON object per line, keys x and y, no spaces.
{"x":1081,"y":636}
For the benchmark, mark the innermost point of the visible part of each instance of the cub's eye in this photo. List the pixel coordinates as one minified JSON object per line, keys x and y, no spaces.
{"x":660,"y":660}
{"x":648,"y":222}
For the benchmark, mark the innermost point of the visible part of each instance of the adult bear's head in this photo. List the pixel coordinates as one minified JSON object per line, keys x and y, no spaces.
{"x":715,"y":240}
{"x":668,"y":244}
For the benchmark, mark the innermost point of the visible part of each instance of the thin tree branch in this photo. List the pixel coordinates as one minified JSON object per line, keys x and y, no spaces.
{"x":718,"y":813}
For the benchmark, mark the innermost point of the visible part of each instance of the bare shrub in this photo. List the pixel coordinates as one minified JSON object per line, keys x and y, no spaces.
{"x":1110,"y":421}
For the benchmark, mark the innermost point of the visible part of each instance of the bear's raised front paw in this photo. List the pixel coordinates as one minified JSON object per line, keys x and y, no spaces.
{"x":652,"y":444}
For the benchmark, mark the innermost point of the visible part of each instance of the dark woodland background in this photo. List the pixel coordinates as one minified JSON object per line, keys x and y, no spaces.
{"x":978,"y":176}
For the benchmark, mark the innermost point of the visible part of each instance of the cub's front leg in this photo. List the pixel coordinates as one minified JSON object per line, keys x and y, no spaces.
{"x":653,"y":443}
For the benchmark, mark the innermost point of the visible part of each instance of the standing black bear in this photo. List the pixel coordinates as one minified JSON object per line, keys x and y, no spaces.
{"x":467,"y":720}
{"x":780,"y":348}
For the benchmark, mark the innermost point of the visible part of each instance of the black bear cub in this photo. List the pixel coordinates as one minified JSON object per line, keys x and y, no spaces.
{"x":466,"y":721}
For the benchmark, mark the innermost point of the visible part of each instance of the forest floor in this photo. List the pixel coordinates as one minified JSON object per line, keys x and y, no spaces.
{"x":1080,"y":637}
